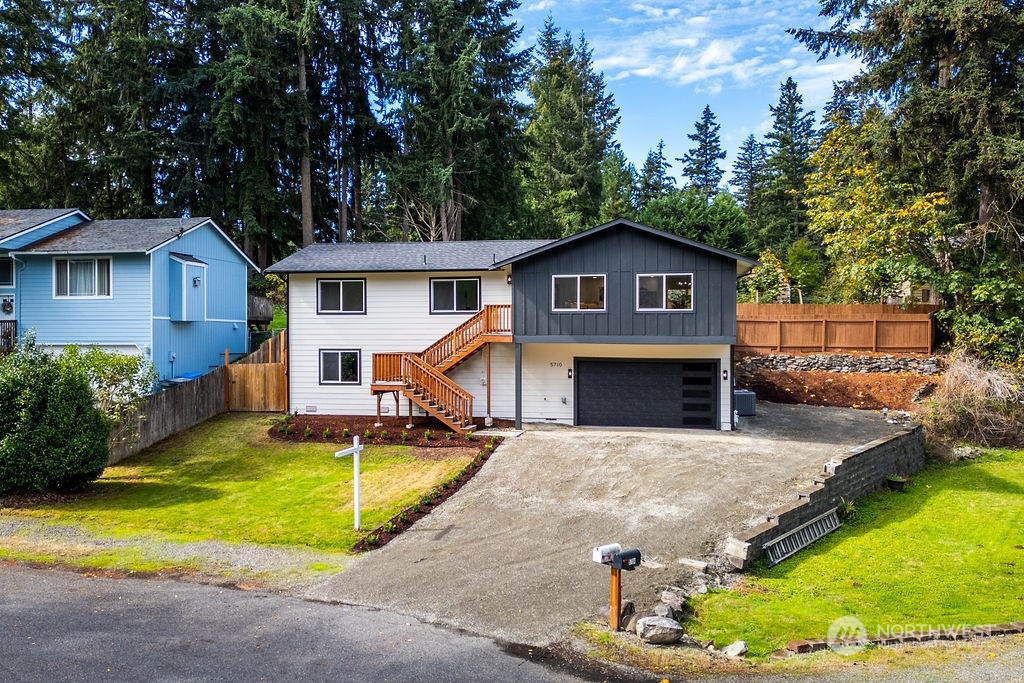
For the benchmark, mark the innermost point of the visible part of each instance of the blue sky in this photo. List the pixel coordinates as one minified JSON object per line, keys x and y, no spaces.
{"x":664,"y":60}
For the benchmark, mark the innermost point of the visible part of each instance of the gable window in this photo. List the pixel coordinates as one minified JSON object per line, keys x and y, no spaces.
{"x":341,"y":296}
{"x":456,"y":295}
{"x":6,"y":272}
{"x":577,"y":293}
{"x":669,"y":292}
{"x":81,"y":277}
{"x":339,"y":366}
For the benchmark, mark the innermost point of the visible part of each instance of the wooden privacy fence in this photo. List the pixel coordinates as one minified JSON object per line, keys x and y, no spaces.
{"x":258,"y":382}
{"x":805,"y":328}
{"x":173,"y":410}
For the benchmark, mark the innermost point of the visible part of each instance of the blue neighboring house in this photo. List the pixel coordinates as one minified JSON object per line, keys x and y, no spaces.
{"x":173,"y":290}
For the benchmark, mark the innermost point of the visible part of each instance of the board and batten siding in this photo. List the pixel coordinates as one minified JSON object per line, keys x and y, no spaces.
{"x":621,"y":255}
{"x":397,"y":318}
{"x":119,"y":320}
{"x":548,"y":390}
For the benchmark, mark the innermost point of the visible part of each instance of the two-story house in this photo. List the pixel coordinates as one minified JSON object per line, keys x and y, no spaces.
{"x":619,"y":325}
{"x":173,"y":290}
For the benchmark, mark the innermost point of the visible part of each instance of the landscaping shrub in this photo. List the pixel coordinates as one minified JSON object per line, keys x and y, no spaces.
{"x":52,"y":436}
{"x":975,"y":403}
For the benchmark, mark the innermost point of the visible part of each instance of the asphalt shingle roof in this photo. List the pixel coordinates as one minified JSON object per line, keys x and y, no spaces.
{"x":130,"y":235}
{"x":370,"y":257}
{"x":18,"y":220}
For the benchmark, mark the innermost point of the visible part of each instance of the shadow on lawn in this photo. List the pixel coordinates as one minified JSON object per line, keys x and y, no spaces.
{"x":140,"y":495}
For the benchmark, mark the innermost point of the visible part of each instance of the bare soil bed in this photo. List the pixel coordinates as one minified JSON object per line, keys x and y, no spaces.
{"x":425,"y":432}
{"x":863,"y":390}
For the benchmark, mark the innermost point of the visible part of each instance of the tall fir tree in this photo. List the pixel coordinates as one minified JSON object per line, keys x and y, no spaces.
{"x":749,"y":173}
{"x":570,"y":127}
{"x":618,"y":178}
{"x":781,"y":215}
{"x":654,"y":179}
{"x":700,"y":164}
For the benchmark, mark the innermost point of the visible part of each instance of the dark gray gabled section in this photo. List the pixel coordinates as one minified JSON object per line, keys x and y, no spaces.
{"x":620,"y":251}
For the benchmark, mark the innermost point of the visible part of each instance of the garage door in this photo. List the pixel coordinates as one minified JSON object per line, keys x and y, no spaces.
{"x":646,"y":393}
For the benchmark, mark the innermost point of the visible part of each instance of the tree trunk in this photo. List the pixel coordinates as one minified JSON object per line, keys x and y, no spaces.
{"x":342,"y":200}
{"x":305,"y":171}
{"x":357,"y":201}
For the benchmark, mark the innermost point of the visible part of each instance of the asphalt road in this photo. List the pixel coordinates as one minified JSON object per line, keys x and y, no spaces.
{"x":58,"y":626}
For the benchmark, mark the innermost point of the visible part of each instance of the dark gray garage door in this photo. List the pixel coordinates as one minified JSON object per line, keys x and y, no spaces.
{"x":646,"y":393}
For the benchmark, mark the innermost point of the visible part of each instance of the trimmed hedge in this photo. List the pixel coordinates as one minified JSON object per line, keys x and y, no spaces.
{"x":52,"y":436}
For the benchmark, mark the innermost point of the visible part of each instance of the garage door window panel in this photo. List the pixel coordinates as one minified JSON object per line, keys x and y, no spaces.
{"x":664,"y":292}
{"x":578,"y":293}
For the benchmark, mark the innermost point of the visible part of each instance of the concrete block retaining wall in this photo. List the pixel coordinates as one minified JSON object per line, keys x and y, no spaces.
{"x":846,"y":477}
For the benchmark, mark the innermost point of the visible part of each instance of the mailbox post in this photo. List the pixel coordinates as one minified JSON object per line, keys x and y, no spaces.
{"x":618,"y":559}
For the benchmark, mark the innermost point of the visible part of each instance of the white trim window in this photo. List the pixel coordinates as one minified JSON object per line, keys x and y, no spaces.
{"x":6,"y":271}
{"x":578,"y":293}
{"x":341,"y":296}
{"x":339,"y":366}
{"x":664,"y":292}
{"x":455,"y":295}
{"x":81,"y":278}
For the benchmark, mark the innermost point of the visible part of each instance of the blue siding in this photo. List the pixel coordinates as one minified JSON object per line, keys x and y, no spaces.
{"x":195,"y":292}
{"x":196,"y":347}
{"x":16,"y":242}
{"x":122,"y":319}
{"x":175,"y":291}
{"x":226,"y":279}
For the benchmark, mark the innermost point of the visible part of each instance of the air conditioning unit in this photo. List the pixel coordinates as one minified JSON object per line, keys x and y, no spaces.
{"x":746,"y":403}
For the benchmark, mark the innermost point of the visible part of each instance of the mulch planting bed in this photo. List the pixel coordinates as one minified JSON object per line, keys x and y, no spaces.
{"x":425,"y":432}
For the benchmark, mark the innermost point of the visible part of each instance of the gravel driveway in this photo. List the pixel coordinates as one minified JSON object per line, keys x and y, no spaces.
{"x":509,"y":555}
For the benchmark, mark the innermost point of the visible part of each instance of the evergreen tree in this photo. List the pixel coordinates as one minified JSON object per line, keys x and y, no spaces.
{"x":618,"y":178}
{"x":686,"y":213}
{"x":654,"y":180}
{"x":570,"y":128}
{"x":700,"y":164}
{"x":781,"y":215}
{"x":749,"y":173}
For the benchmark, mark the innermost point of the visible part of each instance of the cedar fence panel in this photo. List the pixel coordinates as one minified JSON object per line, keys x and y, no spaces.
{"x":259,"y":382}
{"x":805,"y":328}
{"x":173,"y":410}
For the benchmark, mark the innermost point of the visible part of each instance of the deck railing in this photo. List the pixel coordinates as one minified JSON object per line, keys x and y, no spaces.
{"x":8,"y":335}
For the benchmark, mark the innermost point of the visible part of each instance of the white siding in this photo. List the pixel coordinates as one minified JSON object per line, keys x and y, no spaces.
{"x":471,"y":375}
{"x":548,"y":389}
{"x":397,"y":319}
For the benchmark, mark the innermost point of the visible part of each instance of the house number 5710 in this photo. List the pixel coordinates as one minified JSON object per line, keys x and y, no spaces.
{"x":556,"y":364}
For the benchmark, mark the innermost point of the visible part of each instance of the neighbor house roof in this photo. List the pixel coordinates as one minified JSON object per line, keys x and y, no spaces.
{"x":371,"y":257}
{"x":133,"y":235}
{"x":743,"y":263}
{"x":15,"y":221}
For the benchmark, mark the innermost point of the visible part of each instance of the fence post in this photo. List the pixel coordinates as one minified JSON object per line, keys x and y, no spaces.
{"x":874,"y":335}
{"x":227,"y":380}
{"x":824,"y":334}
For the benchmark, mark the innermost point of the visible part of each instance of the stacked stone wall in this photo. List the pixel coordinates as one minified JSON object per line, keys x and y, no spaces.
{"x":841,"y":363}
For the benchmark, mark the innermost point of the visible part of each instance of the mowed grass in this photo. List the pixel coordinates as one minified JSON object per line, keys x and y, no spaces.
{"x":948,"y":552}
{"x":227,"y":480}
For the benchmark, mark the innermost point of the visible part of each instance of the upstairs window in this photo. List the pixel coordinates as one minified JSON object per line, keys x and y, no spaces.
{"x":457,"y":295}
{"x":669,"y":292}
{"x":577,"y":292}
{"x":89,"y":277}
{"x":6,"y":272}
{"x":341,"y":296}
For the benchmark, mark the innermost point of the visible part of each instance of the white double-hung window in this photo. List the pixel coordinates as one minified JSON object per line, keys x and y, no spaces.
{"x":81,"y":277}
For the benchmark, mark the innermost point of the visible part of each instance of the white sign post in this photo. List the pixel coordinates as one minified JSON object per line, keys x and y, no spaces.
{"x":356,"y":449}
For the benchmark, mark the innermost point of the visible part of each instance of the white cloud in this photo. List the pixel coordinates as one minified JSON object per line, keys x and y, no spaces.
{"x":540,"y":6}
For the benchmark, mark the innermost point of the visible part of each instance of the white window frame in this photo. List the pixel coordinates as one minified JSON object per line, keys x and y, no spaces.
{"x":604,"y":285}
{"x":341,"y":296}
{"x":664,"y":289}
{"x":339,"y":353}
{"x":66,"y":260}
{"x":434,"y":310}
{"x":8,"y":259}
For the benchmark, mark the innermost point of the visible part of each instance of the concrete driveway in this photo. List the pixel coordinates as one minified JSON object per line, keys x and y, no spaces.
{"x":509,"y":555}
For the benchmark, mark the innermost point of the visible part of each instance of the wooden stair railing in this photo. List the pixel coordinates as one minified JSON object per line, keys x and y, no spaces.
{"x":421,"y":378}
{"x":428,"y":387}
{"x":451,"y":349}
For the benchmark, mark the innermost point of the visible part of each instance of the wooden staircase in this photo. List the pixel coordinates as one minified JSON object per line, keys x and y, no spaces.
{"x":420,"y":376}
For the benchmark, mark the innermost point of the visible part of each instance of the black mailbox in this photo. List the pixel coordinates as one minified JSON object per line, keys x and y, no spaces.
{"x":627,"y":559}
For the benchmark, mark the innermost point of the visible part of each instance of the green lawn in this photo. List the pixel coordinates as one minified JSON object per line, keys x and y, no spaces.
{"x":949,"y":551}
{"x":227,"y":480}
